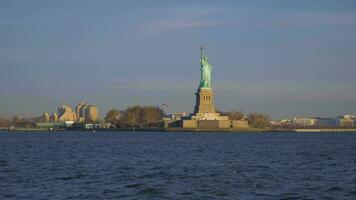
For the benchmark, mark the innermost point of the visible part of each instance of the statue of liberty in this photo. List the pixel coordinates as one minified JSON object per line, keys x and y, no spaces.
{"x":206,"y":68}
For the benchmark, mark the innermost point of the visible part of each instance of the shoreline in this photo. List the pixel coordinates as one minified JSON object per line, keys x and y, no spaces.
{"x":248,"y":130}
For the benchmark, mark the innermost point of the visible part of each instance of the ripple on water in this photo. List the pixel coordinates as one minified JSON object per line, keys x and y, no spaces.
{"x":66,"y":178}
{"x":150,"y":192}
{"x":3,"y":163}
{"x":334,"y":189}
{"x":177,"y":166}
{"x":136,"y":185}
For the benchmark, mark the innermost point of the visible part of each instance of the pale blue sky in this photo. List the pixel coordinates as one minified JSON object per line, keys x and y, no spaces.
{"x":283,"y":57}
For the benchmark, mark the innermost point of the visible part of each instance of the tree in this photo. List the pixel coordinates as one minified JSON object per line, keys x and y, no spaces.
{"x":142,"y":115}
{"x":15,"y":121}
{"x":233,"y":115}
{"x":4,"y":122}
{"x":258,"y":120}
{"x":151,"y":114}
{"x":23,"y":122}
{"x":113,"y":116}
{"x":132,"y":115}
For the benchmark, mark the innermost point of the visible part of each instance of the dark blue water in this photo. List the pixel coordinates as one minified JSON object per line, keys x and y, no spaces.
{"x":72,"y":165}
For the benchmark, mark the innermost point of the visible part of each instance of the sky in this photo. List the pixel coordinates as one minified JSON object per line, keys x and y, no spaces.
{"x":287,"y":58}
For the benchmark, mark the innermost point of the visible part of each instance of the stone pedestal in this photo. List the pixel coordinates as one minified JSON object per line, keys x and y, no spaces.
{"x":204,"y":101}
{"x":204,"y":106}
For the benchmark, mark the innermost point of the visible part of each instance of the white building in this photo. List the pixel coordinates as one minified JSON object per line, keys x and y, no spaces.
{"x":345,"y":121}
{"x":325,"y":122}
{"x":304,"y":121}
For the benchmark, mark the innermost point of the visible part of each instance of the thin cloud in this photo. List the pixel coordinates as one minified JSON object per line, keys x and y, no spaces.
{"x":176,"y":24}
{"x":191,"y":18}
{"x":223,"y":18}
{"x":315,"y":19}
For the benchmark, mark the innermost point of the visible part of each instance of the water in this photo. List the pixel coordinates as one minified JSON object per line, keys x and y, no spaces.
{"x":74,"y":165}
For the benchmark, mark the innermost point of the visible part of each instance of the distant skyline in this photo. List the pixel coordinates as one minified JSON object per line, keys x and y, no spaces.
{"x":282,"y":57}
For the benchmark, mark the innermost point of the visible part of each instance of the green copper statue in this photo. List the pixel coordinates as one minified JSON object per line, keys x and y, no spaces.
{"x":206,"y":68}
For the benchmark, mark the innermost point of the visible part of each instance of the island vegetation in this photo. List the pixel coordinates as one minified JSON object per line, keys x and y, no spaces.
{"x":135,"y":116}
{"x":256,"y":120}
{"x":141,"y":117}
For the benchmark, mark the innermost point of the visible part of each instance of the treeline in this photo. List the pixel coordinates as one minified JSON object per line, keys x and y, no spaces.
{"x":135,"y":116}
{"x":150,"y":116}
{"x":255,"y":120}
{"x":4,"y":122}
{"x":18,"y":122}
{"x":144,"y":116}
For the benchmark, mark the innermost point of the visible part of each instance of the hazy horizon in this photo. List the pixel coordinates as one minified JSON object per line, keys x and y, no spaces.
{"x":284,"y":58}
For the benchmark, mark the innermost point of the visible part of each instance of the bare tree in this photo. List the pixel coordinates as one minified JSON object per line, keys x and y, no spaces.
{"x":141,"y":115}
{"x":4,"y":122}
{"x":113,"y":116}
{"x":258,"y":120}
{"x":233,"y":115}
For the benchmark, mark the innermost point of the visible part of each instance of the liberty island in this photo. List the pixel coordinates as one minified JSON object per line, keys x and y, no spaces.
{"x":205,"y":115}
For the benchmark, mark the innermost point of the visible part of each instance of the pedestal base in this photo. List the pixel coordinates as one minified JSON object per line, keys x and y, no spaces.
{"x":209,"y":116}
{"x":204,"y":101}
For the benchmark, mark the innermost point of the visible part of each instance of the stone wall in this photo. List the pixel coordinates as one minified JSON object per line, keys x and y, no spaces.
{"x":189,"y":124}
{"x":240,"y":124}
{"x":209,"y":124}
{"x":224,"y":124}
{"x":172,"y":123}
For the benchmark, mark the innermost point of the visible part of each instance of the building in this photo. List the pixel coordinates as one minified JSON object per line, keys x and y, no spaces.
{"x":178,"y":115}
{"x":45,"y":117}
{"x":65,"y":113}
{"x":53,"y":118}
{"x":91,"y":113}
{"x":86,"y":112}
{"x":83,"y":113}
{"x":51,"y":125}
{"x":304,"y":121}
{"x":345,"y":121}
{"x":80,"y":111}
{"x":325,"y":122}
{"x":339,"y":121}
{"x":342,"y":122}
{"x":281,"y":122}
{"x":97,"y":126}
